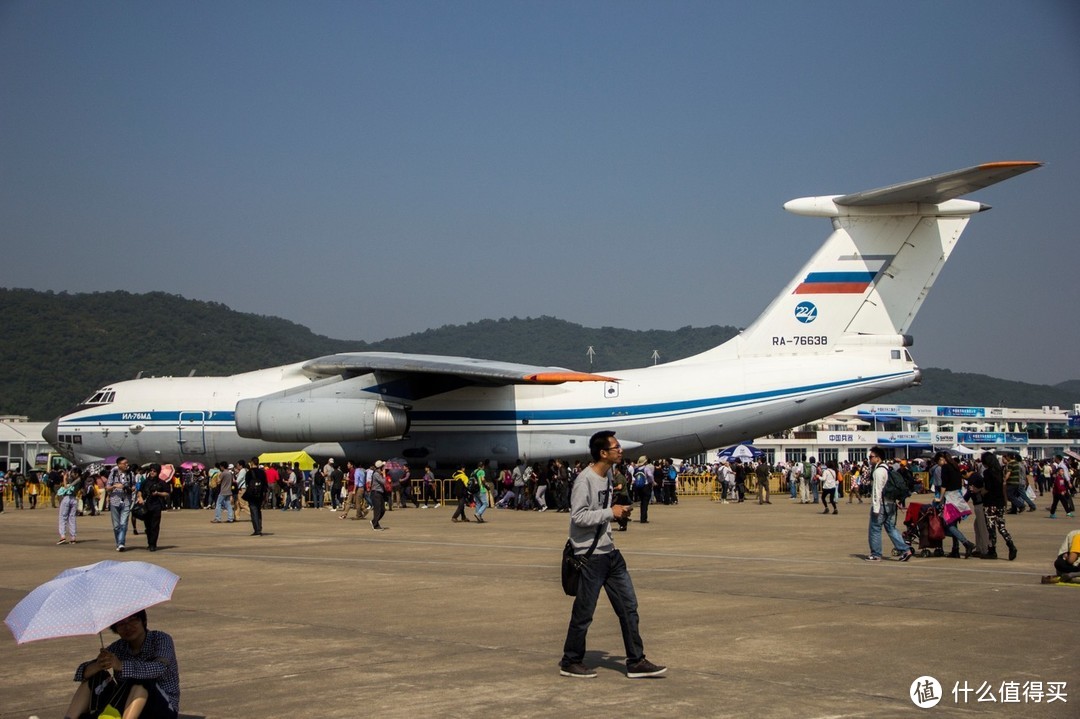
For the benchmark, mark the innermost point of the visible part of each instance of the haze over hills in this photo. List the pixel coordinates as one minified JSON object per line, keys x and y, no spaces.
{"x":59,"y":347}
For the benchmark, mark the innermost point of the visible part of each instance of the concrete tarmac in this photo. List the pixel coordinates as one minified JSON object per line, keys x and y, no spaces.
{"x":757,"y":611}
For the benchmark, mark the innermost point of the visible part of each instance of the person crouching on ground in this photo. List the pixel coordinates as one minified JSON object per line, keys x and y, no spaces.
{"x":145,"y":679}
{"x":1067,"y":564}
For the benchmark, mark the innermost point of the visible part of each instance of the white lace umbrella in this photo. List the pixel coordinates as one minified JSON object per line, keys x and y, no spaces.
{"x":87,"y":600}
{"x":742,"y":452}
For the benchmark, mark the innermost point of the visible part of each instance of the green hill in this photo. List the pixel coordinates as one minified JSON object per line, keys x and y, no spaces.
{"x":60,"y":347}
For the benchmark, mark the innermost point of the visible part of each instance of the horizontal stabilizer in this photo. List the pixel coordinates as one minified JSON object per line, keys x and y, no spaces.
{"x":936,"y":189}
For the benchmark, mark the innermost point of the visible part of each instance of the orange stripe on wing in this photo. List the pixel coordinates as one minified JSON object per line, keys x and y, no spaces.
{"x":560,"y":377}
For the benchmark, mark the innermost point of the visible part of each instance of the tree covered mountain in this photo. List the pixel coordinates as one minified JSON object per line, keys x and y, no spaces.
{"x":60,"y":347}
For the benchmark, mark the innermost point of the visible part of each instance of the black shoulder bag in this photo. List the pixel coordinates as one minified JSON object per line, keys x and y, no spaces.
{"x":573,"y":563}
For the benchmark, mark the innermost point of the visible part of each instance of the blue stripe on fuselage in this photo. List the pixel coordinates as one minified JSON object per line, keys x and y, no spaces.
{"x":625,"y":411}
{"x":622,"y":412}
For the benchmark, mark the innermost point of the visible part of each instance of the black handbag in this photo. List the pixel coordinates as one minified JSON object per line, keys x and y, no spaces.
{"x":138,"y":511}
{"x":572,"y":564}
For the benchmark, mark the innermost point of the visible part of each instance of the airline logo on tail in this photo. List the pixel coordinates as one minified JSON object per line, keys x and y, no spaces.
{"x":806,"y":312}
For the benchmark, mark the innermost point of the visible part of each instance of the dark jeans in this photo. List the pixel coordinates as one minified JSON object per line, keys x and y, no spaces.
{"x":152,"y":521}
{"x":608,"y":571}
{"x":1018,"y":497}
{"x":1065,"y":500}
{"x":459,"y":513}
{"x":828,"y":495}
{"x":1062,"y":566}
{"x":378,"y":508}
{"x":255,"y":508}
{"x":645,"y":494}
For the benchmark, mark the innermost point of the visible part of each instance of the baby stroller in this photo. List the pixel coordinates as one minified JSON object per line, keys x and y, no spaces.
{"x":925,"y":529}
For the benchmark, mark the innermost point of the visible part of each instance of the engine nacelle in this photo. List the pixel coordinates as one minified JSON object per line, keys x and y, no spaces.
{"x":321,"y":419}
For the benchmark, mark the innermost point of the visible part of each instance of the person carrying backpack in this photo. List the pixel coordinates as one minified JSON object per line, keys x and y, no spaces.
{"x":18,"y":486}
{"x":883,"y":509}
{"x":644,"y":475}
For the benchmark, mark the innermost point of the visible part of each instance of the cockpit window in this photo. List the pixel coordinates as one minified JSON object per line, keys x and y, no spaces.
{"x":102,"y":396}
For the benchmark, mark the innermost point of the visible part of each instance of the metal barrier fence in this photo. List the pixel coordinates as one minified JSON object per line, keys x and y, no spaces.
{"x":690,"y":485}
{"x":43,"y":493}
{"x":442,"y":490}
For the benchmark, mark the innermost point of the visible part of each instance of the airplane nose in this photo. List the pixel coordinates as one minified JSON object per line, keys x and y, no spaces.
{"x":51,"y":432}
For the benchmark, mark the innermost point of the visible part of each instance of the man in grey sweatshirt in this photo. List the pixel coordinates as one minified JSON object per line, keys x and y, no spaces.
{"x":591,"y":510}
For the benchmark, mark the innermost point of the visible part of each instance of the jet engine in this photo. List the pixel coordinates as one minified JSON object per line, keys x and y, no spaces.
{"x":319,"y":419}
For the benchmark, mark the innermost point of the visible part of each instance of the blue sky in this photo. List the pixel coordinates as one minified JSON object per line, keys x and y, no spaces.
{"x":373,"y":169}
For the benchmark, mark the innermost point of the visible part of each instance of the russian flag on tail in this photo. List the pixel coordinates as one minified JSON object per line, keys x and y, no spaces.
{"x":835,"y":283}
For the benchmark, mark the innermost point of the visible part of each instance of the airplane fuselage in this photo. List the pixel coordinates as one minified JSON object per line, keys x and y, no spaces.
{"x":679,"y":410}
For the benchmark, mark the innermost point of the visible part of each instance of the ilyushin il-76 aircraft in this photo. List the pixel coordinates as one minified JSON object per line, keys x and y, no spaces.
{"x":835,"y":336}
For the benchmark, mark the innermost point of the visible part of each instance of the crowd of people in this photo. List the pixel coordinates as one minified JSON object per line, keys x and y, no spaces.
{"x":538,"y":487}
{"x":987,"y":487}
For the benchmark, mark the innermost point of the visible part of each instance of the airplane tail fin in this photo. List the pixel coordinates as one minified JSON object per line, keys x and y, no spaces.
{"x":869,"y":279}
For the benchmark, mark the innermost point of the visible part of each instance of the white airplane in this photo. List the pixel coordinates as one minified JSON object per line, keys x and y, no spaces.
{"x":833,"y":338}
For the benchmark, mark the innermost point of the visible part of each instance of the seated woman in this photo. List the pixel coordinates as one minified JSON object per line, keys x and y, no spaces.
{"x":1067,"y":563}
{"x":145,"y":680}
{"x":507,"y":500}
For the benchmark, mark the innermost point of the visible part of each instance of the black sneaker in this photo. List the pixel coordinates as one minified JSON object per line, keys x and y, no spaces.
{"x":579,"y":671}
{"x":643,"y":669}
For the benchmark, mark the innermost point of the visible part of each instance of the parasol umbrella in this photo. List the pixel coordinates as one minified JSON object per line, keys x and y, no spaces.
{"x":89,"y":599}
{"x":742,"y":452}
{"x":191,"y":464}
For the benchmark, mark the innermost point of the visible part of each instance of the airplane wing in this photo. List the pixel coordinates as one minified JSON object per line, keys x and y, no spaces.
{"x":936,"y":189}
{"x":465,"y":369}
